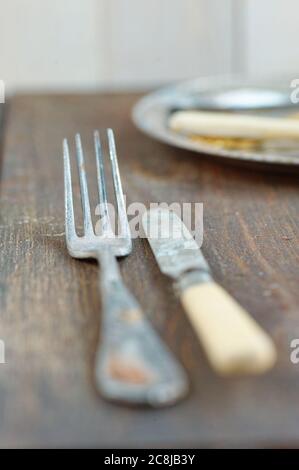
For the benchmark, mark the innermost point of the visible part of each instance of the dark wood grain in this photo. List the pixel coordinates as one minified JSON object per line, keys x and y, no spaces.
{"x":50,"y":307}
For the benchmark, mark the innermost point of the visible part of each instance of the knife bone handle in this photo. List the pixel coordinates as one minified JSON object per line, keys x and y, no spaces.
{"x":232,"y":125}
{"x":234,"y":343}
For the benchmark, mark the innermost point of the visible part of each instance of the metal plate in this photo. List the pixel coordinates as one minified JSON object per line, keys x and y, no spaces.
{"x":151,"y":113}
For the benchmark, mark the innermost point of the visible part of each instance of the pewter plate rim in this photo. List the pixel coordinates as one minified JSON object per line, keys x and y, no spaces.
{"x":151,"y":111}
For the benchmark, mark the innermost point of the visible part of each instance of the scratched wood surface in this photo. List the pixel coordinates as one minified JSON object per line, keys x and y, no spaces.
{"x":50,"y":307}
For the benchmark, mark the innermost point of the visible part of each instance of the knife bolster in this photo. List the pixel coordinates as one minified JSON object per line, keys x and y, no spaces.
{"x":192,"y":278}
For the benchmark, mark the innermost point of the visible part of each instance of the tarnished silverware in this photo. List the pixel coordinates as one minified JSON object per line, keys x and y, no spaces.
{"x":234,"y":343}
{"x":223,"y":93}
{"x":132,"y":364}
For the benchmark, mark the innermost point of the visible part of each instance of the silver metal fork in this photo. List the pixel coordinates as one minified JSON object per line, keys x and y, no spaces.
{"x":132,"y":364}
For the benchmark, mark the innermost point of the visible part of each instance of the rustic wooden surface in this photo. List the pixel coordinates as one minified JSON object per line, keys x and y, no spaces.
{"x":50,"y":307}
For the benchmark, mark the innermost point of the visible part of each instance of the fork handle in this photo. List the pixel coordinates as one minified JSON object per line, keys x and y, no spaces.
{"x":132,"y":364}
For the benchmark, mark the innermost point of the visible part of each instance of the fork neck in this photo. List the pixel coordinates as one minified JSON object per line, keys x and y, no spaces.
{"x":108,"y":264}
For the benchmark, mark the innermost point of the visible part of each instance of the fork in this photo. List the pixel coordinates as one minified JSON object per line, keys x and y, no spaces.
{"x":132,"y":365}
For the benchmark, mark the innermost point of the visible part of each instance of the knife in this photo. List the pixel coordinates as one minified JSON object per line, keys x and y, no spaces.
{"x":233,"y":342}
{"x":230,"y":125}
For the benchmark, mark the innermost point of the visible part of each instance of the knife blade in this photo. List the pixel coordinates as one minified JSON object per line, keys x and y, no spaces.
{"x":173,"y":245}
{"x":233,"y":341}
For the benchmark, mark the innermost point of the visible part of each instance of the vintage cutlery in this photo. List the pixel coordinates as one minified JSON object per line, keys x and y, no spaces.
{"x":132,"y":364}
{"x":233,"y":341}
{"x":222,"y":94}
{"x":233,"y":125}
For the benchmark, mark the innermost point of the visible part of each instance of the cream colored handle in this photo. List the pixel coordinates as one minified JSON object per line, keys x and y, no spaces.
{"x":233,"y":125}
{"x":233,"y":341}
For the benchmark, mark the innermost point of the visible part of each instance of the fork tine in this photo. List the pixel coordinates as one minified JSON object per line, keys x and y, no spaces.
{"x":87,"y":221}
{"x":70,"y":229}
{"x":106,"y":226}
{"x":124,"y":224}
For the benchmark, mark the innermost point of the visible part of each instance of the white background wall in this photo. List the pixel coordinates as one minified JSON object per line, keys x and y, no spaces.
{"x":271,"y":29}
{"x":137,"y":43}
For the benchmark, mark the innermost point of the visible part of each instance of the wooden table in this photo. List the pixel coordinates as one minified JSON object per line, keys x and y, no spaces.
{"x":50,"y":307}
